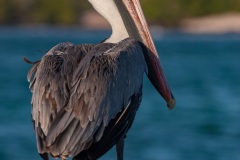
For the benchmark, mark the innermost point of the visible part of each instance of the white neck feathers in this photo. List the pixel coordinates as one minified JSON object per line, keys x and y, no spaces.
{"x":109,"y":10}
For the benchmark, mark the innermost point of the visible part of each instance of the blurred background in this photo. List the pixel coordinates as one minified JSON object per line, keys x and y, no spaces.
{"x":199,"y":46}
{"x":174,"y":13}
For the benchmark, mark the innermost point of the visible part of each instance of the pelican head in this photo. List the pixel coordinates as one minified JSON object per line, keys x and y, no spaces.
{"x":128,"y":21}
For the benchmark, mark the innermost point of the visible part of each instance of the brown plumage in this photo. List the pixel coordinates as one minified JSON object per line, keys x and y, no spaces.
{"x":85,"y":97}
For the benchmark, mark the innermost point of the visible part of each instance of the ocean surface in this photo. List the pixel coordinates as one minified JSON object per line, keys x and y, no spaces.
{"x":202,"y":70}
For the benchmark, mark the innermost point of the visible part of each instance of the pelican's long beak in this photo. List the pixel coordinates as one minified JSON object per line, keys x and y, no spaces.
{"x":137,"y":27}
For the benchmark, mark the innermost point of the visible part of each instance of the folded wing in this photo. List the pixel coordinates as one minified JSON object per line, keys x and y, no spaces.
{"x":79,"y":89}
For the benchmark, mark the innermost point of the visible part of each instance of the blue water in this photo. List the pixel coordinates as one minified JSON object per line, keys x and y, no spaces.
{"x":203,"y":72}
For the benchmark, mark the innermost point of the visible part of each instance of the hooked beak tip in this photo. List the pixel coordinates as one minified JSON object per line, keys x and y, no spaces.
{"x":171,"y":103}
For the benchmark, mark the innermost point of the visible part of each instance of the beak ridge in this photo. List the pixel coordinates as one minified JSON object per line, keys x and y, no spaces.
{"x":142,"y":34}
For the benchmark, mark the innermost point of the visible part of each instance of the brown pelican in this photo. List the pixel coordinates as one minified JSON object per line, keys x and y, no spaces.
{"x":85,"y":97}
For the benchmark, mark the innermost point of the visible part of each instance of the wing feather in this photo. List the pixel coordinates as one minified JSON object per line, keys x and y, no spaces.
{"x":79,"y":89}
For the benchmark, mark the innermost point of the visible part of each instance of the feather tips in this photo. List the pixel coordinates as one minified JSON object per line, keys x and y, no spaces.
{"x":78,"y":89}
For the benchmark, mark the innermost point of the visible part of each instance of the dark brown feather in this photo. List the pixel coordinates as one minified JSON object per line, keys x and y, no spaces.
{"x":85,"y":96}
